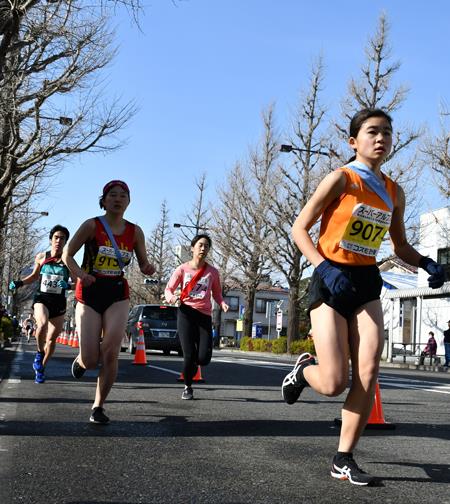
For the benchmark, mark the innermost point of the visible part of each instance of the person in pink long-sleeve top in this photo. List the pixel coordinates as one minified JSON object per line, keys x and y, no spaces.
{"x":198,"y":280}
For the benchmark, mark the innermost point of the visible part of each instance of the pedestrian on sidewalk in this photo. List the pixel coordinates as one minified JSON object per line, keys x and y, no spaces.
{"x":49,"y":301}
{"x":198,"y":280}
{"x":357,"y":205}
{"x":102,"y":291}
{"x":447,"y":345}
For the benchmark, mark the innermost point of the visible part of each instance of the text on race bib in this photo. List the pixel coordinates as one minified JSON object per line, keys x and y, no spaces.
{"x":49,"y":283}
{"x":106,"y":262}
{"x":365,"y":230}
{"x":200,"y":288}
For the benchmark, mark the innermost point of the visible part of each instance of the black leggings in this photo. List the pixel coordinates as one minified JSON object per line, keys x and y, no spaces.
{"x":195,"y":332}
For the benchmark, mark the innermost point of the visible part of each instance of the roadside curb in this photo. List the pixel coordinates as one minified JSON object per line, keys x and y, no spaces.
{"x":290,"y":359}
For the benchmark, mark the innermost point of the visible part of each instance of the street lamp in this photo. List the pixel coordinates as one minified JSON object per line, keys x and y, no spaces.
{"x":64,"y":121}
{"x":290,"y":148}
{"x":197,"y":228}
{"x":44,"y":214}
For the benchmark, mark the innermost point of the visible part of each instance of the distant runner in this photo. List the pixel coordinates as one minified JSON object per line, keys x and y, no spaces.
{"x":49,"y":302}
{"x":198,"y":280}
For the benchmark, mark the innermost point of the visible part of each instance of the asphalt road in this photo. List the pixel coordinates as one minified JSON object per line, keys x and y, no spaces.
{"x":237,"y":442}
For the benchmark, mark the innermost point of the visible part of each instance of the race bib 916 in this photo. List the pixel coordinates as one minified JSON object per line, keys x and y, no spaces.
{"x":365,"y":230}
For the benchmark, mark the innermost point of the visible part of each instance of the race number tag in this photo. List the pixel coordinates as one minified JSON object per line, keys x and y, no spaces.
{"x":201,"y":287}
{"x":49,"y":283}
{"x":365,"y":230}
{"x":106,"y":261}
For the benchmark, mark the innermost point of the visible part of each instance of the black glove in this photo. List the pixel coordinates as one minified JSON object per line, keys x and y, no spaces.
{"x":336,"y":280}
{"x":15,"y":284}
{"x":435,"y":270}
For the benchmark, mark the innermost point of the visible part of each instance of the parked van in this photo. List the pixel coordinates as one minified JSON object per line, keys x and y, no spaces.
{"x":158,"y":324}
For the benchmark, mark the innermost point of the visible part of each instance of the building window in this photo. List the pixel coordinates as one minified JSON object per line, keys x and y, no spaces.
{"x":443,"y":257}
{"x":232,"y":302}
{"x":261,"y":304}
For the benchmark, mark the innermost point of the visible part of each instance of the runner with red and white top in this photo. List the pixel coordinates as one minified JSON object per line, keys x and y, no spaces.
{"x":198,"y":281}
{"x":102,"y":291}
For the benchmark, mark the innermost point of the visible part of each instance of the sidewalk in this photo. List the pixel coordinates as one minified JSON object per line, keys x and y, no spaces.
{"x":290,"y":359}
{"x":6,"y":357}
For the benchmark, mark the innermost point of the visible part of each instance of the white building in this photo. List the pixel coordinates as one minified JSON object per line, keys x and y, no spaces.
{"x":411,"y":308}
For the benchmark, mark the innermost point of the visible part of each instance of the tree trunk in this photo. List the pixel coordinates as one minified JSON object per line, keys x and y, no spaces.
{"x":248,"y":314}
{"x":293,"y":312}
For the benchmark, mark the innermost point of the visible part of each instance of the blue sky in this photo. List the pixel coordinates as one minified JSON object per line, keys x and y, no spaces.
{"x":201,"y":71}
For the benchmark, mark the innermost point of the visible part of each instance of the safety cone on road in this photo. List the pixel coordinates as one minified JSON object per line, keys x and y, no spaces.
{"x":140,"y":356}
{"x":70,"y":340}
{"x":64,"y":339}
{"x":376,"y":417}
{"x":197,"y":377}
{"x":58,"y":339}
{"x":76,"y":340}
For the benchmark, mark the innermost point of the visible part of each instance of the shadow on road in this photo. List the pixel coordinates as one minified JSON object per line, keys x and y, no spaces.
{"x":437,"y":473}
{"x":181,"y":426}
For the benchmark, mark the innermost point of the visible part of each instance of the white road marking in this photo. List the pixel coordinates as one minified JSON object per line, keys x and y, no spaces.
{"x":164,"y":369}
{"x":410,"y":383}
{"x":263,"y":364}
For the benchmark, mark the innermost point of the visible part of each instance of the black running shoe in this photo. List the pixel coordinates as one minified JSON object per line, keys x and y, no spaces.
{"x":294,"y":383}
{"x":347,"y":469}
{"x":188,"y":394}
{"x":98,"y":416}
{"x":77,"y":370}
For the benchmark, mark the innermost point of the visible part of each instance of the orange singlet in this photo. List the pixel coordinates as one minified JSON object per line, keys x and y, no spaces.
{"x":353,"y":226}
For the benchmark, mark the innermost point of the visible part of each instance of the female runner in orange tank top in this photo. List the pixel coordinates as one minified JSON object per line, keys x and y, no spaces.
{"x":357,"y":205}
{"x":102,"y":291}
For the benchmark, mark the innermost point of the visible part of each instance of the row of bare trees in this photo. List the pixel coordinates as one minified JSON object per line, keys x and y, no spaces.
{"x":51,"y":58}
{"x":52,"y":105}
{"x":254,"y":209}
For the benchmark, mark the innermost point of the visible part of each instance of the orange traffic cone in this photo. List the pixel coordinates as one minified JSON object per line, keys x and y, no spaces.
{"x":64,"y":339}
{"x":76,"y":340}
{"x":376,"y":417}
{"x":197,"y":377}
{"x":70,"y":341}
{"x":58,"y":339}
{"x":140,"y":356}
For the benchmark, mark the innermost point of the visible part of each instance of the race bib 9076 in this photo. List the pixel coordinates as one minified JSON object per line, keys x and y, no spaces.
{"x":365,"y":230}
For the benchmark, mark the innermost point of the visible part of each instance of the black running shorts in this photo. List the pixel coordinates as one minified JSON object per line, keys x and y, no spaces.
{"x":366,"y":280}
{"x":55,"y":303}
{"x":104,"y":292}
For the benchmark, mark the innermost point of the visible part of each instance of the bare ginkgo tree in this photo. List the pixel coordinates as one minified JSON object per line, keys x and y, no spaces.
{"x":52,"y":104}
{"x":243,"y":203}
{"x":374,"y":89}
{"x":295,"y":180}
{"x":198,"y":217}
{"x":160,"y":249}
{"x":437,"y":154}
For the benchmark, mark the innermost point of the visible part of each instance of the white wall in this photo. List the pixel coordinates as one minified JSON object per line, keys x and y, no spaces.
{"x":434,"y":235}
{"x":435,"y":314}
